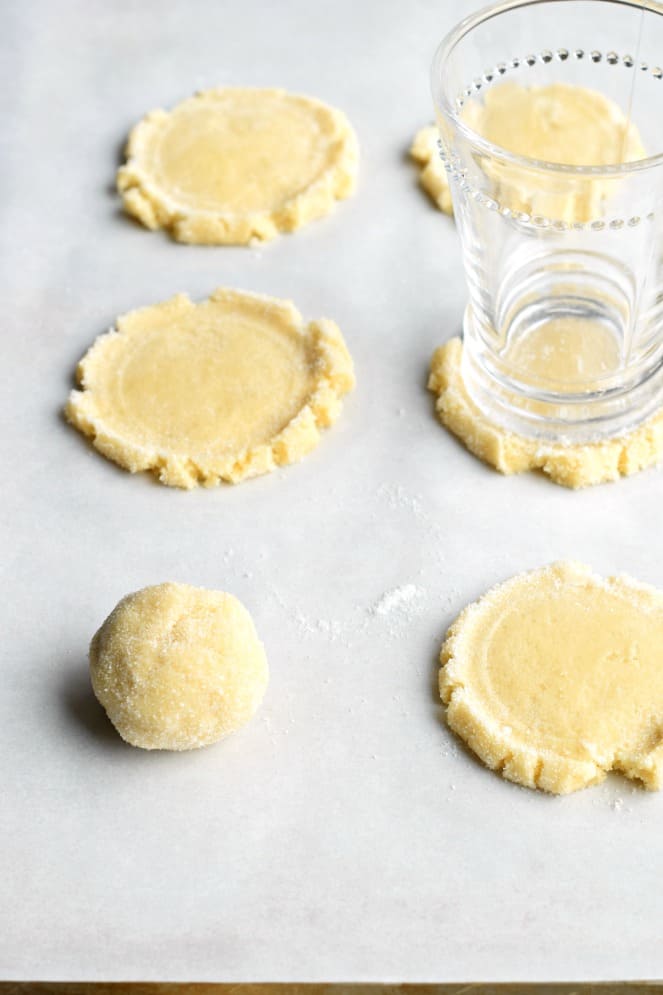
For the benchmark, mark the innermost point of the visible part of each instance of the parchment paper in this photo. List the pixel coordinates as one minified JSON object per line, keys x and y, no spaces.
{"x":344,"y":834}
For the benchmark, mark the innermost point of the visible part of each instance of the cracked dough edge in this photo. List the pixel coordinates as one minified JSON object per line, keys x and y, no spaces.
{"x":334,"y":377}
{"x":518,"y":761}
{"x":573,"y":465}
{"x":433,"y":176}
{"x":146,"y":200}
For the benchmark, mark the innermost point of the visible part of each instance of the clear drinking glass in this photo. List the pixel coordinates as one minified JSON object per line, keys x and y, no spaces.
{"x":563,"y":332}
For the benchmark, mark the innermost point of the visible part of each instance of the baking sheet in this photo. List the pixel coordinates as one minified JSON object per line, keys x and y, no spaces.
{"x":344,"y":834}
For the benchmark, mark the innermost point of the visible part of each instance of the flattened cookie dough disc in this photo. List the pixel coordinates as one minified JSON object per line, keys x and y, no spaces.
{"x":222,"y":390}
{"x":234,"y":164}
{"x":557,"y":123}
{"x":574,"y":465}
{"x":554,"y":678}
{"x":178,"y":667}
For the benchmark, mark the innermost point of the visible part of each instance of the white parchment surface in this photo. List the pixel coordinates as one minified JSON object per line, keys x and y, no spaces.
{"x":344,"y":834}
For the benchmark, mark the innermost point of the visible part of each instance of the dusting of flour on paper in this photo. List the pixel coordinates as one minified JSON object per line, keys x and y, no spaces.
{"x":405,"y":599}
{"x":398,"y":607}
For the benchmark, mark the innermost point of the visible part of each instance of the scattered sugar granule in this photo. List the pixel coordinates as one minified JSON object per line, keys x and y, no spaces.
{"x":405,"y":599}
{"x":398,"y":498}
{"x":328,"y":627}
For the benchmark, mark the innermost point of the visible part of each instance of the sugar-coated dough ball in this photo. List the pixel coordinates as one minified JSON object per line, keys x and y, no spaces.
{"x":178,"y":667}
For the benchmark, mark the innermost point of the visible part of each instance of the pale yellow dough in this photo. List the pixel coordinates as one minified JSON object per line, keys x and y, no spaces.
{"x":573,"y":465}
{"x":554,"y":678}
{"x":557,"y":123}
{"x":222,"y":390}
{"x":235,"y":164}
{"x":433,"y":175}
{"x":178,"y":667}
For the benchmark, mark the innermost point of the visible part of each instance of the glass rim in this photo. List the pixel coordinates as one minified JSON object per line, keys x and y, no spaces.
{"x":461,"y":29}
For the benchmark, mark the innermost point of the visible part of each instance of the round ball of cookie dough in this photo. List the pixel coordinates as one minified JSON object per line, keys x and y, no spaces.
{"x":177,"y":667}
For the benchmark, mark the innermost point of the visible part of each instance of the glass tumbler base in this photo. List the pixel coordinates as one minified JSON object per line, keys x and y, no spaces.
{"x":516,"y":387}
